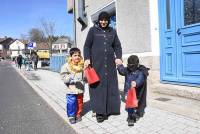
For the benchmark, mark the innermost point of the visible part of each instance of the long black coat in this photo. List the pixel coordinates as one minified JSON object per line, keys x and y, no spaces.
{"x":102,"y":47}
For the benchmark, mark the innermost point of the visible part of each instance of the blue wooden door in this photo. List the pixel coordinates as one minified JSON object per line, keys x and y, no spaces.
{"x":180,"y":40}
{"x":168,"y":59}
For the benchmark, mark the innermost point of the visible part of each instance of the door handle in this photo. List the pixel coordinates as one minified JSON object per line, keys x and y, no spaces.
{"x":178,"y":31}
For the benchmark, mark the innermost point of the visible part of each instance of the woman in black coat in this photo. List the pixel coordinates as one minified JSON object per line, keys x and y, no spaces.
{"x":102,"y":49}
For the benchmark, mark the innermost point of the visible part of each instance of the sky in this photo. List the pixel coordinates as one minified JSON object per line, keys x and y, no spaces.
{"x":19,"y":16}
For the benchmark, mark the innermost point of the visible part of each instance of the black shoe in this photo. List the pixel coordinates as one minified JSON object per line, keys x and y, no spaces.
{"x":72,"y":120}
{"x":105,"y":117}
{"x":100,"y":118}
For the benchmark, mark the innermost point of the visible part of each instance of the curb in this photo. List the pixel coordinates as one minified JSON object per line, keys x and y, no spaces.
{"x":60,"y":111}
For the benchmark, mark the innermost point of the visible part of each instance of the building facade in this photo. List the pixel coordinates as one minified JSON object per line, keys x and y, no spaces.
{"x":5,"y":43}
{"x":160,"y":32}
{"x":16,"y":48}
{"x":1,"y":51}
{"x":42,"y":50}
{"x":61,"y":46}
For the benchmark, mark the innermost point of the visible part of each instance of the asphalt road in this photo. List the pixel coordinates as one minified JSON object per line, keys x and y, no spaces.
{"x":22,"y":111}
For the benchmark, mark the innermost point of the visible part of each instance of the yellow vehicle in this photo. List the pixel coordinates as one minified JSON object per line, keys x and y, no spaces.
{"x":43,"y":54}
{"x":44,"y":57}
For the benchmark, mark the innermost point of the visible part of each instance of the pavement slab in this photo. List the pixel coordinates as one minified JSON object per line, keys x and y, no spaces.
{"x":157,"y":120}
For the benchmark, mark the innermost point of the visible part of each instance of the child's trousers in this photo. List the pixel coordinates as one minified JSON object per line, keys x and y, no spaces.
{"x":74,"y":105}
{"x":131,"y":111}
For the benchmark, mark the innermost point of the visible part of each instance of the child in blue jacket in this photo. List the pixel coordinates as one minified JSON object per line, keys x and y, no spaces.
{"x":135,"y":77}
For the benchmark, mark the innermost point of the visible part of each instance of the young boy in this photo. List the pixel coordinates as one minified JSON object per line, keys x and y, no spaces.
{"x":72,"y":75}
{"x":135,"y":77}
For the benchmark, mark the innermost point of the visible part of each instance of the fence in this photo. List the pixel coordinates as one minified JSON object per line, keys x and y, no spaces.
{"x":56,"y":61}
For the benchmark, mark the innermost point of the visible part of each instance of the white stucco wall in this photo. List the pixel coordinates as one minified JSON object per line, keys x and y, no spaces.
{"x":137,"y":27}
{"x":92,"y":6}
{"x":16,"y":48}
{"x":133,"y":25}
{"x":154,"y":27}
{"x":17,"y":45}
{"x":1,"y":47}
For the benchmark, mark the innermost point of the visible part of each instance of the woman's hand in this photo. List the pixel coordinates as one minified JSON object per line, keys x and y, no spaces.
{"x":86,"y":63}
{"x":133,"y":84}
{"x":118,"y":61}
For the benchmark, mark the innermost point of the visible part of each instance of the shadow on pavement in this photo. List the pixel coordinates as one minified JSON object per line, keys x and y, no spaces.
{"x":86,"y":107}
{"x":31,"y":75}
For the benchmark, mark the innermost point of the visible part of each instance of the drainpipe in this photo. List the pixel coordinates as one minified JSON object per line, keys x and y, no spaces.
{"x":74,"y":19}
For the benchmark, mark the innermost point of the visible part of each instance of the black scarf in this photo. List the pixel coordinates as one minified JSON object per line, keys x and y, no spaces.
{"x":106,"y":16}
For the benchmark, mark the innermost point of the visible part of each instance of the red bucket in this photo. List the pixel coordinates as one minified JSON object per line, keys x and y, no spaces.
{"x":91,"y":75}
{"x":131,"y":101}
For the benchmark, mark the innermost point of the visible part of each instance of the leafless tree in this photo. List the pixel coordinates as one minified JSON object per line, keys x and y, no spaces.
{"x":49,"y":30}
{"x":36,"y":35}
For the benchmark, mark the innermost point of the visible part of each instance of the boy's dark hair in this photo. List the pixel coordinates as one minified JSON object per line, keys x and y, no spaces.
{"x":133,"y":59}
{"x":74,"y":50}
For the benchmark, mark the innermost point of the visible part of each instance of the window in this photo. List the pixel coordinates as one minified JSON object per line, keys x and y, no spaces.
{"x":113,"y":21}
{"x":191,"y":12}
{"x":168,"y":14}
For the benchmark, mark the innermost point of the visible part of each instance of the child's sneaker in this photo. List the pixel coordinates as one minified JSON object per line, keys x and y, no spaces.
{"x":78,"y":119}
{"x":131,"y":120}
{"x":72,"y":120}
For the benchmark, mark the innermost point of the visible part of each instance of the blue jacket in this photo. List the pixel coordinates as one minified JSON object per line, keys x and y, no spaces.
{"x":138,"y":76}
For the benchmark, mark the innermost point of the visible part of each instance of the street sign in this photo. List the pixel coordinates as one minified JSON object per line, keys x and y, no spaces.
{"x":31,"y":45}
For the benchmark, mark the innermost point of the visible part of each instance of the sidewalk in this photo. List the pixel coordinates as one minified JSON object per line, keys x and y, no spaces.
{"x":156,"y":121}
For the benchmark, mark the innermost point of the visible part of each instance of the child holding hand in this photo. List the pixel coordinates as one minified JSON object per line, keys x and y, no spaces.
{"x":135,"y":77}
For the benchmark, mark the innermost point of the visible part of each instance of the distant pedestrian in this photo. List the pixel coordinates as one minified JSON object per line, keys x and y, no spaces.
{"x":35,"y":59}
{"x":72,"y":75}
{"x":29,"y":66}
{"x":15,"y":60}
{"x":135,"y":77}
{"x":19,"y":61}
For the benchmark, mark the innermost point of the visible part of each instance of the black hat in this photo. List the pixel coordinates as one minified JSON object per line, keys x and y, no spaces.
{"x":133,"y":62}
{"x":133,"y":59}
{"x":104,"y":15}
